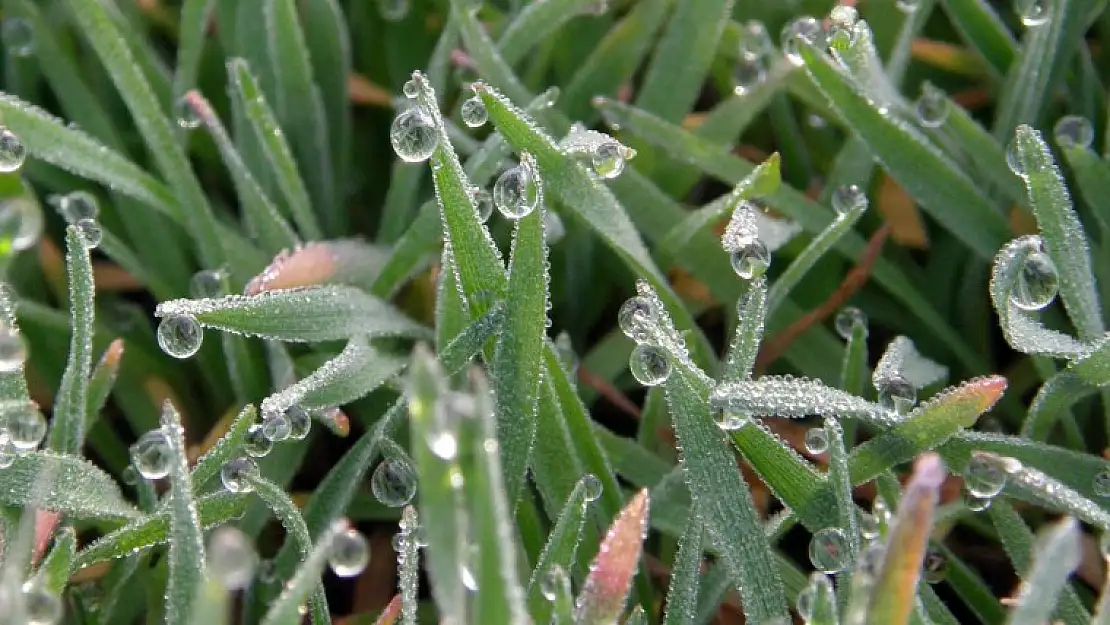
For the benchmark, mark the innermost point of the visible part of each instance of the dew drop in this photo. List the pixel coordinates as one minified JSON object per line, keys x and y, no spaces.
{"x":78,"y":205}
{"x":897,"y":394}
{"x":236,"y":474}
{"x":828,"y":550}
{"x":880,"y":510}
{"x":276,"y":427}
{"x":255,"y":442}
{"x":300,"y":423}
{"x":755,"y":42}
{"x":483,"y":202}
{"x":1102,"y":483}
{"x":728,"y":420}
{"x":907,"y":6}
{"x":1037,"y":283}
{"x":934,"y":568}
{"x":350,"y":553}
{"x":21,"y":223}
{"x":1073,"y":131}
{"x":474,"y":112}
{"x":13,"y":351}
{"x":516,"y":192}
{"x":868,"y":526}
{"x":1032,"y":12}
{"x":41,"y":607}
{"x":1013,"y":159}
{"x":977,"y":504}
{"x":187,"y":118}
{"x":180,"y":336}
{"x":206,"y":283}
{"x":554,"y":580}
{"x":847,"y":198}
{"x":649,"y":364}
{"x":151,"y":455}
{"x":393,"y":482}
{"x":18,"y":37}
{"x":607,"y":160}
{"x":751,"y":259}
{"x":413,"y":135}
{"x":842,"y":27}
{"x":90,"y":231}
{"x":817,"y":440}
{"x":748,"y":74}
{"x":26,"y":427}
{"x":592,"y":485}
{"x":393,"y":10}
{"x":802,"y":29}
{"x":847,"y":320}
{"x":635,"y":317}
{"x":931,"y":107}
{"x":984,"y":478}
{"x":553,"y":228}
{"x":12,"y":151}
{"x":231,"y":557}
{"x":410,"y":89}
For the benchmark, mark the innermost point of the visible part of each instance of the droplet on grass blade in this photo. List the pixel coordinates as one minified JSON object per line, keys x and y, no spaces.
{"x":897,"y":394}
{"x":276,"y":426}
{"x":207,"y":283}
{"x":410,"y":89}
{"x":984,"y":477}
{"x":300,"y":423}
{"x":829,"y":550}
{"x":90,"y":231}
{"x":842,"y":26}
{"x":1032,"y":12}
{"x":1073,"y":131}
{"x":25,"y":425}
{"x":180,"y":336}
{"x":931,"y":107}
{"x":255,"y":442}
{"x":592,"y":487}
{"x":793,"y":33}
{"x":751,"y":259}
{"x":13,"y":351}
{"x":474,"y":112}
{"x":393,"y":482}
{"x":748,"y":74}
{"x":187,"y":117}
{"x":728,"y":420}
{"x":78,"y":205}
{"x":868,"y":526}
{"x":483,"y":202}
{"x":21,"y":223}
{"x":554,"y":580}
{"x":237,"y":473}
{"x":413,"y":135}
{"x":635,"y":316}
{"x":12,"y":151}
{"x":650,"y":365}
{"x":350,"y":554}
{"x":517,"y":191}
{"x":231,"y":557}
{"x":1037,"y":283}
{"x":607,"y":160}
{"x":817,"y":440}
{"x":847,"y":320}
{"x":151,"y":455}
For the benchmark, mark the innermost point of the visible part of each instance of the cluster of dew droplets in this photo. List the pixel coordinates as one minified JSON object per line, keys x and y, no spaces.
{"x":414,"y":133}
{"x":649,"y":363}
{"x":80,"y":209}
{"x":22,"y":425}
{"x":804,"y":29}
{"x":748,"y":254}
{"x":753,"y":53}
{"x":604,"y":156}
{"x":519,"y":190}
{"x":350,"y":553}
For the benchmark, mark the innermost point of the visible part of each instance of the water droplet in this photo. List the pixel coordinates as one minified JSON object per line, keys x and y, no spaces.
{"x":847,"y":198}
{"x":180,"y":336}
{"x":748,"y":74}
{"x":1013,"y":159}
{"x":907,"y":6}
{"x":516,"y":192}
{"x":90,"y":232}
{"x":755,"y":42}
{"x":410,"y":89}
{"x":553,"y":581}
{"x":41,"y":606}
{"x":350,"y":553}
{"x":847,"y":320}
{"x":1037,"y":283}
{"x":842,"y":26}
{"x":1032,"y":12}
{"x":13,"y":351}
{"x":73,"y":207}
{"x":553,"y":227}
{"x":868,"y":526}
{"x":483,"y":202}
{"x":649,"y":364}
{"x":592,"y":485}
{"x":804,"y":28}
{"x":12,"y":151}
{"x":231,"y":557}
{"x":897,"y":394}
{"x":1102,"y":483}
{"x":413,"y":135}
{"x":607,"y":160}
{"x":236,"y":473}
{"x":21,"y":223}
{"x":8,"y":450}
{"x":828,"y":550}
{"x":934,"y":568}
{"x":728,"y":420}
{"x":393,"y":10}
{"x":474,"y":112}
{"x":255,"y":442}
{"x":880,"y":510}
{"x":300,"y":423}
{"x":1074,"y":131}
{"x":187,"y":118}
{"x":394,"y":482}
{"x":206,"y":283}
{"x":983,"y":477}
{"x":276,"y":427}
{"x":817,"y":440}
{"x":26,"y":426}
{"x":977,"y":504}
{"x":635,"y":317}
{"x":151,"y":455}
{"x":806,"y":602}
{"x":931,"y":107}
{"x":18,"y":37}
{"x":751,"y":259}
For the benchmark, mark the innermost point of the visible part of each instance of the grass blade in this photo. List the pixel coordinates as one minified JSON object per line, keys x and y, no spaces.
{"x":559,"y":551}
{"x":751,"y":310}
{"x":1057,"y":556}
{"x":194,"y":28}
{"x":186,"y":554}
{"x":67,"y":434}
{"x":607,"y":586}
{"x":982,"y":28}
{"x":89,"y":494}
{"x":682,"y":596}
{"x":306,"y":583}
{"x":53,"y":572}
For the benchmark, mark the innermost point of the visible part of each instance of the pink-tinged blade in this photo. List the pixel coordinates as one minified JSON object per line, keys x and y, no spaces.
{"x":391,"y":612}
{"x":606,"y":589}
{"x":45,"y":522}
{"x":971,"y":399}
{"x":309,"y":265}
{"x":893,"y":598}
{"x":337,"y":421}
{"x":113,"y":354}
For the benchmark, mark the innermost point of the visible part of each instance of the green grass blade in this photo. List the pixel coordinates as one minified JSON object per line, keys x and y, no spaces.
{"x":751,"y":311}
{"x":186,"y":554}
{"x":90,"y":493}
{"x":1042,"y":489}
{"x":491,"y":66}
{"x":101,"y":381}
{"x":1057,"y":556}
{"x":560,"y":549}
{"x":984,"y":155}
{"x":609,"y":581}
{"x":854,"y":371}
{"x":682,"y":596}
{"x":535,"y":23}
{"x":228,"y":447}
{"x":191,"y":38}
{"x":468,"y":343}
{"x":67,"y":433}
{"x":53,"y":572}
{"x":840,"y":479}
{"x":981,"y":27}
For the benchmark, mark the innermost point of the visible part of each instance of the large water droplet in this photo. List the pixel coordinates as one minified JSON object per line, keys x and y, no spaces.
{"x":802,"y":29}
{"x":231,"y":557}
{"x":413,"y":135}
{"x":828,"y":550}
{"x":26,"y":426}
{"x":751,"y":259}
{"x":276,"y":426}
{"x":592,"y":485}
{"x":931,"y":107}
{"x":393,"y":10}
{"x":983,"y":477}
{"x":236,"y":474}
{"x":180,"y":336}
{"x":748,"y":74}
{"x":635,"y":318}
{"x":18,"y":37}
{"x":755,"y":43}
{"x":21,"y":223}
{"x":483,"y":202}
{"x":817,"y":440}
{"x":187,"y":118}
{"x":13,"y":351}
{"x":934,"y":568}
{"x":350,"y":553}
{"x":1102,"y":483}
{"x":607,"y":160}
{"x":847,"y":198}
{"x":649,"y":364}
{"x":73,"y":207}
{"x":1074,"y":131}
{"x":847,"y":320}
{"x":206,"y":283}
{"x":1037,"y":283}
{"x":868,"y":526}
{"x":410,"y":89}
{"x":394,"y":482}
{"x":897,"y":394}
{"x":12,"y":151}
{"x":729,"y":420}
{"x":977,"y":504}
{"x":553,"y":581}
{"x":300,"y":422}
{"x":516,"y":192}
{"x":90,"y":231}
{"x":255,"y":442}
{"x":41,"y":606}
{"x":1032,"y":12}
{"x":151,"y":455}
{"x":474,"y":112}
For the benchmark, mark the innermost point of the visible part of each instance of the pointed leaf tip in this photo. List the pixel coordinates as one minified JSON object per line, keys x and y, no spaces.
{"x":970,"y":399}
{"x":391,"y":612}
{"x":610,"y":579}
{"x":309,"y":265}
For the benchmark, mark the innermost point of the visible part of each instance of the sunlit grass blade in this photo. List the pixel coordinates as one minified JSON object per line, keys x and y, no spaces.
{"x":981,"y":27}
{"x":186,"y":554}
{"x":89,"y":493}
{"x":751,"y":311}
{"x":560,"y":549}
{"x":67,"y":433}
{"x":306,"y":585}
{"x":682,"y":596}
{"x":1057,"y":555}
{"x":607,"y":586}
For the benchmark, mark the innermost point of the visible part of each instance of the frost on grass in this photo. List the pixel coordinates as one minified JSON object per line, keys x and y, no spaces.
{"x":1037,"y":487}
{"x":901,"y":359}
{"x":786,"y":396}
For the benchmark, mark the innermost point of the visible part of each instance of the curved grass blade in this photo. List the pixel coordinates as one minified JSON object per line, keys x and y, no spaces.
{"x":682,"y":596}
{"x":466,"y":344}
{"x":324,"y":313}
{"x":562,"y":546}
{"x":89,"y":493}
{"x":67,"y":432}
{"x":1057,"y":555}
{"x":306,"y":584}
{"x":751,"y":310}
{"x":53,"y":573}
{"x":534,"y":23}
{"x":610,"y":579}
{"x":1052,"y":401}
{"x":186,"y":553}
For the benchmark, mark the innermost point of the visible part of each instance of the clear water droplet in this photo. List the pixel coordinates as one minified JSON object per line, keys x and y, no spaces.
{"x":554,"y":580}
{"x":21,"y":223}
{"x":983,"y":477}
{"x":1073,"y":131}
{"x":207,"y":283}
{"x":1102,"y":483}
{"x":755,"y":42}
{"x":410,"y":89}
{"x":393,"y":482}
{"x":635,"y":317}
{"x":26,"y":427}
{"x":907,"y":6}
{"x":276,"y":427}
{"x":483,"y":202}
{"x":897,"y":394}
{"x":78,"y":205}
{"x":300,"y":422}
{"x":13,"y":351}
{"x":751,"y":259}
{"x":880,"y":510}
{"x":255,"y":442}
{"x":607,"y":160}
{"x":828,"y":550}
{"x":90,"y":231}
{"x":12,"y":151}
{"x":553,"y":228}
{"x":649,"y":364}
{"x":817,"y":440}
{"x":180,"y":336}
{"x":350,"y":553}
{"x":728,"y":420}
{"x":1013,"y":159}
{"x":806,"y":602}
{"x":151,"y":455}
{"x":977,"y":504}
{"x":40,"y":606}
{"x":236,"y":474}
{"x":802,"y":29}
{"x":842,"y":27}
{"x":18,"y":37}
{"x":393,"y":10}
{"x":474,"y":112}
{"x":847,"y":320}
{"x":187,"y":118}
{"x":1037,"y":283}
{"x":934,"y":568}
{"x":847,"y":198}
{"x":931,"y":107}
{"x":516,"y":192}
{"x":414,"y":135}
{"x":1032,"y":12}
{"x":748,"y":74}
{"x":868,"y":526}
{"x":592,"y":485}
{"x":231,"y":557}
{"x":8,"y":451}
